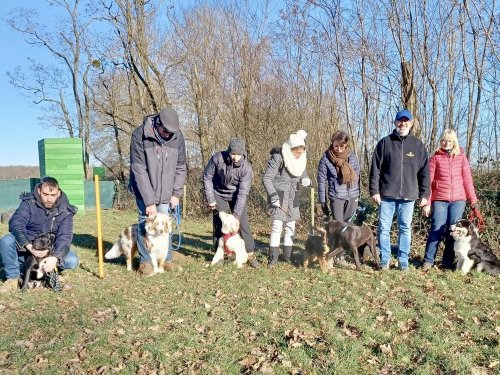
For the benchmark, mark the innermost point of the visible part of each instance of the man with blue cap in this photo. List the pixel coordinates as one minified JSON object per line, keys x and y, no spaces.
{"x":399,"y":176}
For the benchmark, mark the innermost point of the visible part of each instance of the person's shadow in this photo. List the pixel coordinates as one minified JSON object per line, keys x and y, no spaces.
{"x":88,"y":241}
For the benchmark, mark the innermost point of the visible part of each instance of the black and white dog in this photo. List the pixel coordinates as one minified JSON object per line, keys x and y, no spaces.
{"x":470,"y":251}
{"x":34,"y":275}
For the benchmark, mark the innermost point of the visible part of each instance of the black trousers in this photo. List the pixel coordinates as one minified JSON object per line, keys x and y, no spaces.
{"x":343,"y":209}
{"x":245,"y":231}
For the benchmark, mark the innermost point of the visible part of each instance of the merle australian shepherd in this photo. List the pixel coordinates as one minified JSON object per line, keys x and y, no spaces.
{"x":470,"y":250}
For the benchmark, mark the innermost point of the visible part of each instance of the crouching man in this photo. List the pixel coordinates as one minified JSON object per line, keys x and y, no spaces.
{"x":44,"y":210}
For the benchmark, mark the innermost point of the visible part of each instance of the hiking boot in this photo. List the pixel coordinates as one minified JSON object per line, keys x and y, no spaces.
{"x":146,"y":269}
{"x":9,"y":286}
{"x":168,"y":266}
{"x":287,"y":254}
{"x":427,"y":266}
{"x":273,"y":255}
{"x":252,"y":261}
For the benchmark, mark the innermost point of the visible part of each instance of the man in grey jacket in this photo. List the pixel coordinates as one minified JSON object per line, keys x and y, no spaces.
{"x":157,"y":173}
{"x":227,"y":179}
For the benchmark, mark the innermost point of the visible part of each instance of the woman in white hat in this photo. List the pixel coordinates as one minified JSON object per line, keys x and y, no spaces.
{"x":286,"y":170}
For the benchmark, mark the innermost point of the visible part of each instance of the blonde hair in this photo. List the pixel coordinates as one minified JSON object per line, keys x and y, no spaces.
{"x":450,"y":135}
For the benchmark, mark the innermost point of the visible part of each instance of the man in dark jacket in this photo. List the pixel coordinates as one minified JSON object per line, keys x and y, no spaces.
{"x":44,"y":210}
{"x":227,"y":179}
{"x":399,"y":175}
{"x":157,"y":173}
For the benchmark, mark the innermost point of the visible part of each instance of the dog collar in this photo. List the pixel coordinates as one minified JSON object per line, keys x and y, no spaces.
{"x":226,"y":237}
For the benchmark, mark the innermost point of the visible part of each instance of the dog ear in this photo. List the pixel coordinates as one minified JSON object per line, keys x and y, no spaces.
{"x":168,"y":224}
{"x":236,"y":225}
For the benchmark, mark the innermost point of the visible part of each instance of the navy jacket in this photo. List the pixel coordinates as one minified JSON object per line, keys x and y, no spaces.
{"x":32,"y":218}
{"x":231,"y":181}
{"x":400,"y":168}
{"x":327,"y":174}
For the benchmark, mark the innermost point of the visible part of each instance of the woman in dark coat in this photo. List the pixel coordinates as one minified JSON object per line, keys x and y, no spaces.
{"x":286,"y":170}
{"x":338,"y":179}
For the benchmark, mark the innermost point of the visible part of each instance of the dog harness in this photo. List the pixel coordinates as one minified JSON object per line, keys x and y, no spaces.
{"x":226,"y":237}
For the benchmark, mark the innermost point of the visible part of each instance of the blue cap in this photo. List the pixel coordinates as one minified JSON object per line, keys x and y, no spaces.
{"x":404,"y":113}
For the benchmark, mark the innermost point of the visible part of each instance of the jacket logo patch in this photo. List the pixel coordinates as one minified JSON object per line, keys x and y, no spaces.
{"x":410,"y":154}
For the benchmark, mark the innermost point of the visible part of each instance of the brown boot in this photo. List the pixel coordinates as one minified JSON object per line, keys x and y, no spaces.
{"x":9,"y":286}
{"x":146,"y":269}
{"x":252,"y":261}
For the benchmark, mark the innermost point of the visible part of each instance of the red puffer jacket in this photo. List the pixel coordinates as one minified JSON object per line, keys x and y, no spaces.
{"x":451,"y":178}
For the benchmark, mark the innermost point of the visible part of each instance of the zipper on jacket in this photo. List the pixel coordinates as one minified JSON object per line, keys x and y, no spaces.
{"x":401,"y":170}
{"x":451,"y":176}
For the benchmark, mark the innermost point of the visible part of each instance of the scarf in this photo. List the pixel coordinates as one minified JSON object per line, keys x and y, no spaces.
{"x":345,"y":172}
{"x":294,"y":166}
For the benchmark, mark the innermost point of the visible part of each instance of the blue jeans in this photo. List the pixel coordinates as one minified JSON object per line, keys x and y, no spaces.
{"x":443,"y":215}
{"x":404,"y":210}
{"x":13,"y":260}
{"x":143,"y":253}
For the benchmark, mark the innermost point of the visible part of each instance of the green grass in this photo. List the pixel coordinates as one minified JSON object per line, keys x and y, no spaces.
{"x":201,"y":320}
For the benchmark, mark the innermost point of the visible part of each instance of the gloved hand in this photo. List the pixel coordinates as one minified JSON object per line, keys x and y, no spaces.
{"x":325,"y":208}
{"x":306,"y":181}
{"x":276,"y":203}
{"x":48,"y":264}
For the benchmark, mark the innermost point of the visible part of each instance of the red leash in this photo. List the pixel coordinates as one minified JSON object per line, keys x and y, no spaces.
{"x":474,"y":215}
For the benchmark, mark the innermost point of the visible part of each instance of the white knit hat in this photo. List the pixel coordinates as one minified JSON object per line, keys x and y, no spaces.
{"x":297,"y":139}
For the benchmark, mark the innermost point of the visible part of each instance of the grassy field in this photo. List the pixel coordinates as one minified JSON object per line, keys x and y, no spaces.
{"x":200,"y":320}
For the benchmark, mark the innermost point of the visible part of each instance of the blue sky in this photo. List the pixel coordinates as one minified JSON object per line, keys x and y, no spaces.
{"x":20,"y":128}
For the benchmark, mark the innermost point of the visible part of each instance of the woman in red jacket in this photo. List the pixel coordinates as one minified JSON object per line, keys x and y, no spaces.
{"x":451,"y":187}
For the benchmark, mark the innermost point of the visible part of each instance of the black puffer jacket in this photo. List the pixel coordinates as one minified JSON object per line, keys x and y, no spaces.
{"x":32,"y":218}
{"x":231,"y":181}
{"x":400,"y":168}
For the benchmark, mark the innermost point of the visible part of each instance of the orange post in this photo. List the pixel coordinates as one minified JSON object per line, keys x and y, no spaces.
{"x":99,"y":231}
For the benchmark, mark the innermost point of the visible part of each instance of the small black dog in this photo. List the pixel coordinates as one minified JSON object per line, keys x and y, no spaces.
{"x":34,"y":274}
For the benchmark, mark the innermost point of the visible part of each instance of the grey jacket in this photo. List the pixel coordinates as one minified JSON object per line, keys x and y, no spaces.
{"x":157,"y":167}
{"x":280,"y":184}
{"x":231,"y":181}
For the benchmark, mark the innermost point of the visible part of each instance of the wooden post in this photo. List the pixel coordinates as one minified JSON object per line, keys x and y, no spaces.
{"x":99,"y":231}
{"x":184,"y":197}
{"x":312,"y":210}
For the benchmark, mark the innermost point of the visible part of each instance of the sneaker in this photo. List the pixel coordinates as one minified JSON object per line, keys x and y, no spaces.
{"x":146,"y":269}
{"x":427,"y":266}
{"x":384,"y":267}
{"x":9,"y":286}
{"x":406,"y":269}
{"x":253,"y":262}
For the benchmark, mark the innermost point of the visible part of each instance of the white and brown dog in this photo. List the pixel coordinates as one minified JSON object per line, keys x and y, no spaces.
{"x":231,"y":242}
{"x":156,"y":241}
{"x":470,"y":250}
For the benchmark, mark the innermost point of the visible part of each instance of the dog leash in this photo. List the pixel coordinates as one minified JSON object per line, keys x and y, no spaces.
{"x":476,"y":214}
{"x":176,"y":230}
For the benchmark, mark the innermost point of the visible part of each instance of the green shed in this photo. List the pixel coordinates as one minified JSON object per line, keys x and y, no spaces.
{"x":62,"y":158}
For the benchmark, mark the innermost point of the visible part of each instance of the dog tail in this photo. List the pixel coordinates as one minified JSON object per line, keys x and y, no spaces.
{"x":114,"y":252}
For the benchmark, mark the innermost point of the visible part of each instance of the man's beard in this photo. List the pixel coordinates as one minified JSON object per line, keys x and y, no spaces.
{"x":403,"y":132}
